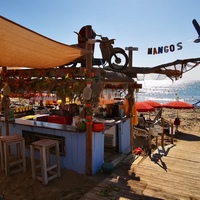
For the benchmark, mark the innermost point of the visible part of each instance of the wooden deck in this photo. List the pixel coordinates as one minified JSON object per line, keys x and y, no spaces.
{"x":171,"y":173}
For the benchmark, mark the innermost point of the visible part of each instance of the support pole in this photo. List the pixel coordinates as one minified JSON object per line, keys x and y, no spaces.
{"x":6,"y":110}
{"x":130,"y":54}
{"x":131,"y":103}
{"x":6,"y":104}
{"x":172,"y":133}
{"x":88,"y":106}
{"x":131,"y":91}
{"x":162,"y":136}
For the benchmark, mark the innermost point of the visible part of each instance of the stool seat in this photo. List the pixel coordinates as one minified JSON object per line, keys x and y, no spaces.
{"x":46,"y":170}
{"x":13,"y":158}
{"x":44,"y":143}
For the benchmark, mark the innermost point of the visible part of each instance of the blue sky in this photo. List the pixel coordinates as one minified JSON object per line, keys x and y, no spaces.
{"x":138,"y":23}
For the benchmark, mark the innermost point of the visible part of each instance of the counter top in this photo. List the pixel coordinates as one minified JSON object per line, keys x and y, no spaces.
{"x":108,"y":122}
{"x":29,"y":117}
{"x":43,"y":124}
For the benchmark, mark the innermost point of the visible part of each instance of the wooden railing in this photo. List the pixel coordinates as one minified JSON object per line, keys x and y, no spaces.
{"x":171,"y":125}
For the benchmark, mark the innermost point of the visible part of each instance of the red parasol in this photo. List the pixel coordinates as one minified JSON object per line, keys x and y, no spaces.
{"x":154,"y":104}
{"x":178,"y":105}
{"x":143,"y":107}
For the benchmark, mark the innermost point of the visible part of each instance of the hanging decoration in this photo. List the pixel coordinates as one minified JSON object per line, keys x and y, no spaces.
{"x":87,"y":92}
{"x":89,"y":112}
{"x":6,"y":90}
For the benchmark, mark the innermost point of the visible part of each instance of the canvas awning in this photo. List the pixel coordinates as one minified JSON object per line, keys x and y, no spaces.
{"x":21,"y":47}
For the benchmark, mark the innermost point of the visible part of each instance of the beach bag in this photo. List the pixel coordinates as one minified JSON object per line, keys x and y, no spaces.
{"x":137,"y":151}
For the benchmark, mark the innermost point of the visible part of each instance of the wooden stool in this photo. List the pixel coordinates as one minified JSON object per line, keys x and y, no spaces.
{"x":13,"y":158}
{"x":48,"y":171}
{"x":2,"y":138}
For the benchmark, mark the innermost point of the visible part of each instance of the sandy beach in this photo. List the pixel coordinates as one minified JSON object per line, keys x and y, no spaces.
{"x":72,"y":185}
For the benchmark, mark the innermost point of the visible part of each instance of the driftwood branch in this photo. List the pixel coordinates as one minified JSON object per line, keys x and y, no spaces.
{"x":172,"y":70}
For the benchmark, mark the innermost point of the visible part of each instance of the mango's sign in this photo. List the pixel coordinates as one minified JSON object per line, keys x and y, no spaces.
{"x":165,"y":49}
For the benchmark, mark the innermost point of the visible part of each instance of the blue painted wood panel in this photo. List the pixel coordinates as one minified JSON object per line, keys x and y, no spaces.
{"x":75,"y":145}
{"x":97,"y":151}
{"x":124,"y":136}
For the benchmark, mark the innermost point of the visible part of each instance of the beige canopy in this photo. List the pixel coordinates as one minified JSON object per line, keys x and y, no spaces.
{"x":21,"y":47}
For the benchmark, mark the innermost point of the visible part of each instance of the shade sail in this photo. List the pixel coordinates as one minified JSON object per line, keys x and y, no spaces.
{"x":21,"y":47}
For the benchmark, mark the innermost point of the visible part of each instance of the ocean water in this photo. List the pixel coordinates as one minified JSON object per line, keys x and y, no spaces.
{"x":164,"y":91}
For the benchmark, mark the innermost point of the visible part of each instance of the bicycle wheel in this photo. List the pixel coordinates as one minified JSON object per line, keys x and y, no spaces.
{"x":118,"y":59}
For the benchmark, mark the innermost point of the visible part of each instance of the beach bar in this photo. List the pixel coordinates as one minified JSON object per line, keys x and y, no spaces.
{"x":72,"y":144}
{"x":85,"y":127}
{"x":80,"y":150}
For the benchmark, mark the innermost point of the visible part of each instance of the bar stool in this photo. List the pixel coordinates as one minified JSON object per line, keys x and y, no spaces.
{"x":13,"y":158}
{"x":47,"y":169}
{"x":3,"y":138}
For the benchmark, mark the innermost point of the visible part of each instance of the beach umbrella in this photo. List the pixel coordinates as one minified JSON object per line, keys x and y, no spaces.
{"x":144,"y":107}
{"x":154,"y":104}
{"x":178,"y":105}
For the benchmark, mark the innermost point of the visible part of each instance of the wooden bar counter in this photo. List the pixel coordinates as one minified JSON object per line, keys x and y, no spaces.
{"x":72,"y":143}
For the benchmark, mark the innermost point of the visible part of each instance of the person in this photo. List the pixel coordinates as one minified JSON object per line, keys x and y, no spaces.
{"x":141,"y":121}
{"x":176,"y":123}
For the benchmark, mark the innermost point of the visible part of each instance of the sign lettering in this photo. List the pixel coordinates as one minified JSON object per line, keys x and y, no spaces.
{"x":165,"y":49}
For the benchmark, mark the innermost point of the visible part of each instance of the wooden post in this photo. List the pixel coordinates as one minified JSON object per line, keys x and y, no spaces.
{"x":89,"y":118}
{"x":131,"y":91}
{"x":131,"y":103}
{"x":130,"y":54}
{"x":162,"y":136}
{"x":6,"y":106}
{"x":6,"y":110}
{"x":172,"y":133}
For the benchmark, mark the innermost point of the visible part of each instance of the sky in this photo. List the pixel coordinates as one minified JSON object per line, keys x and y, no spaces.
{"x":137,"y":23}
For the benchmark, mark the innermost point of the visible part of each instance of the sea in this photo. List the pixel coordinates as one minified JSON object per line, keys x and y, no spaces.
{"x":165,"y":91}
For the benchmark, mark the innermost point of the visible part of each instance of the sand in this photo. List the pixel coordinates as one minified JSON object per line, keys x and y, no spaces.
{"x":72,"y":185}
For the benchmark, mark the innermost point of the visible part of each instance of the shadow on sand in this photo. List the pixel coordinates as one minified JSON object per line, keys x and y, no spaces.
{"x":186,"y":136}
{"x":157,"y":157}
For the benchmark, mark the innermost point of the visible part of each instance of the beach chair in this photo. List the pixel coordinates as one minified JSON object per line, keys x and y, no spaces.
{"x":142,"y":132}
{"x":150,"y":123}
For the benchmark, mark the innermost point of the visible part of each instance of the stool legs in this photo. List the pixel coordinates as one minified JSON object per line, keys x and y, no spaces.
{"x":48,"y":170}
{"x":58,"y":160}
{"x":44,"y":165}
{"x":32,"y":162}
{"x":13,"y":162}
{"x":2,"y":155}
